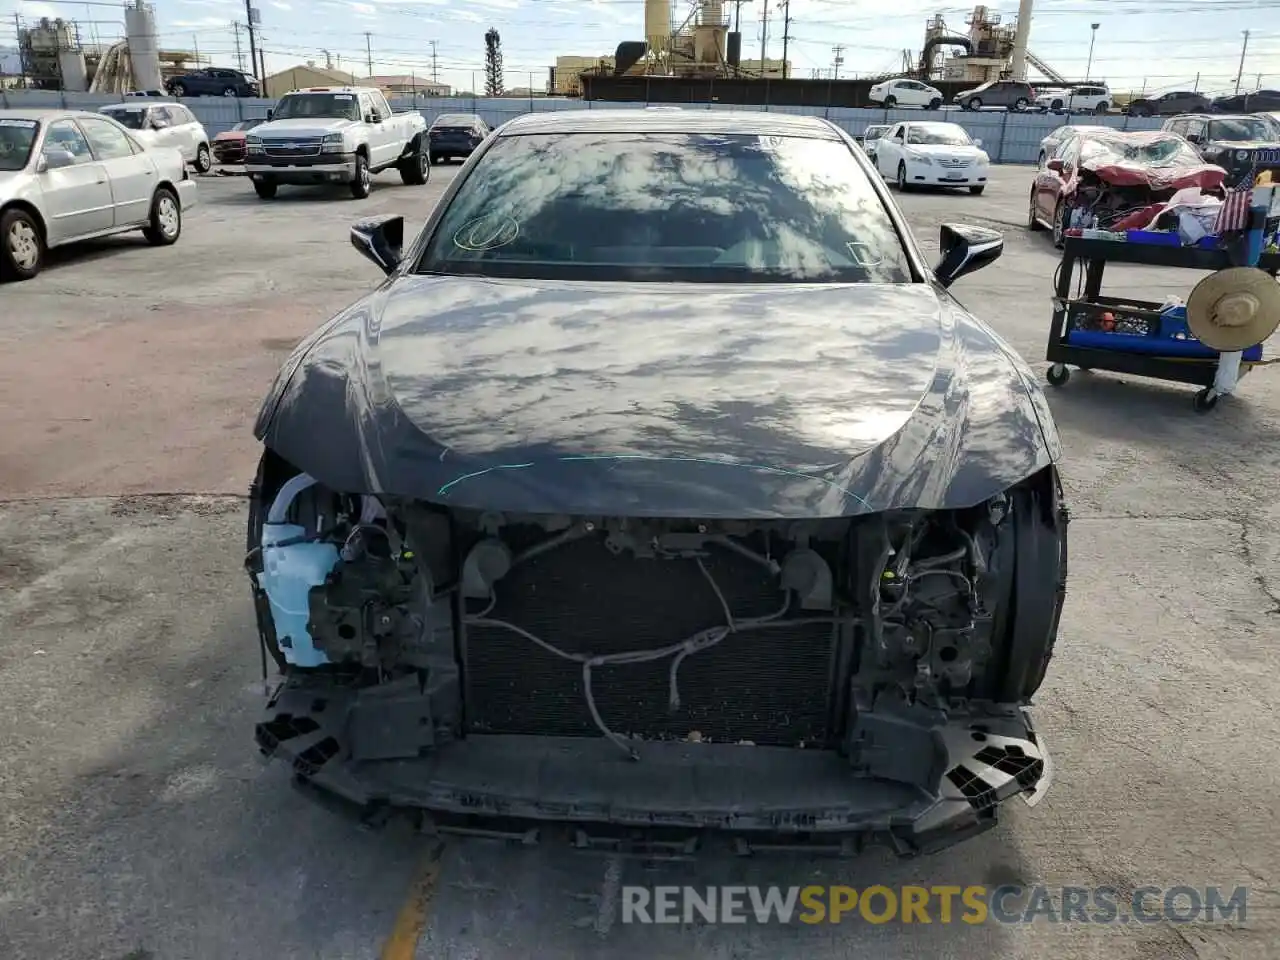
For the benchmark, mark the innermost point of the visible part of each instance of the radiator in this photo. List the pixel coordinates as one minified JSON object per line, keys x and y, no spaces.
{"x":769,"y":687}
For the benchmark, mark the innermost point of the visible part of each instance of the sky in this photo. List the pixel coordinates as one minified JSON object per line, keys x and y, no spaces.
{"x":1140,"y":44}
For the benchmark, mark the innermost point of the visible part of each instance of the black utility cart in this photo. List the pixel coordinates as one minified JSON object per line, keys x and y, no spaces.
{"x":1137,"y":337}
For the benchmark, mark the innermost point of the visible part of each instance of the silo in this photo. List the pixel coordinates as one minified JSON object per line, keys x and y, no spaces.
{"x":144,"y":55}
{"x":75,"y":74}
{"x":657,"y":25}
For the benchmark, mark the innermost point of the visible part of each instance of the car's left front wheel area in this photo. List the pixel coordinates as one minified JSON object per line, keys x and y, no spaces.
{"x":21,"y":245}
{"x":204,"y":159}
{"x":165,"y":224}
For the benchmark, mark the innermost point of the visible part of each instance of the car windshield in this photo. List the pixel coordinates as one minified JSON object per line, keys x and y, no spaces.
{"x":874,"y":133}
{"x":297,"y":106}
{"x":668,"y":207}
{"x":132,"y":117}
{"x":16,"y":139}
{"x":948,"y":134}
{"x":455,"y":120}
{"x":983,"y":86}
{"x":1167,"y":151}
{"x":1241,"y":129}
{"x":246,"y":125}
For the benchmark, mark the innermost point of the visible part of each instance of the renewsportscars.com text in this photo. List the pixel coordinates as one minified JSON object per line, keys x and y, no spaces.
{"x":935,"y":904}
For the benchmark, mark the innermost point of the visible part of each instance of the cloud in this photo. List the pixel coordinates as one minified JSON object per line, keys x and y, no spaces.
{"x":366,"y":10}
{"x":281,"y":6}
{"x":466,"y":15}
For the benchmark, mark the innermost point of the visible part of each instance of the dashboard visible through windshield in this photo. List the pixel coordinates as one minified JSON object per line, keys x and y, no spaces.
{"x":668,"y":207}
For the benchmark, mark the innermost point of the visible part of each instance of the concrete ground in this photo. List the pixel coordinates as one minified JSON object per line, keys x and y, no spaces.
{"x":137,"y":821}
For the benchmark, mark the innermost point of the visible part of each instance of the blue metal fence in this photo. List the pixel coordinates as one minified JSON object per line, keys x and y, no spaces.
{"x":1007,"y":137}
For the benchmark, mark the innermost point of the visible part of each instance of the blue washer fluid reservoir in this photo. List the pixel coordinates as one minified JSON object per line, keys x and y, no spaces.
{"x":288,"y":574}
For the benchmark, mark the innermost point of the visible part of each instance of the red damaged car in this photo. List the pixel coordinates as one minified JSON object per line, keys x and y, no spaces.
{"x":229,"y":146}
{"x":1109,"y":178}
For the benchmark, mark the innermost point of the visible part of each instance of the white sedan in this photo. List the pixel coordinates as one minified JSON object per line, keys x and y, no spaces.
{"x":905,"y":92}
{"x":69,"y":175}
{"x":932,"y":154}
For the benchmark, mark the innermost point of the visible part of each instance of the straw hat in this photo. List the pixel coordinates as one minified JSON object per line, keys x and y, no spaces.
{"x":1234,"y":309}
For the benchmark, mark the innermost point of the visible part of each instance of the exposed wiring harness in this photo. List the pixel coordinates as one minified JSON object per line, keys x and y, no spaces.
{"x":702,"y":640}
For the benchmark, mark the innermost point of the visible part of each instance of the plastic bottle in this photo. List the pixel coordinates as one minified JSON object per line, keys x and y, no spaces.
{"x":288,"y":574}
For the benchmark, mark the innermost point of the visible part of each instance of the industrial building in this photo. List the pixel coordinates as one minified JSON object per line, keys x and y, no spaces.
{"x":52,"y":56}
{"x":699,"y":57}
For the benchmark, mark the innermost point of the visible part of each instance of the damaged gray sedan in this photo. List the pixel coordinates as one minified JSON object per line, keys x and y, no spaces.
{"x":662,"y":492}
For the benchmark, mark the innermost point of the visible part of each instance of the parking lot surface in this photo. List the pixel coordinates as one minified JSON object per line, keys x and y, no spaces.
{"x":137,"y":820}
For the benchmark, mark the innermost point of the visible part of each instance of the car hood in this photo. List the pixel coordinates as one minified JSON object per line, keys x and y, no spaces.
{"x":696,"y":400}
{"x":302,"y":127}
{"x":943,"y":150}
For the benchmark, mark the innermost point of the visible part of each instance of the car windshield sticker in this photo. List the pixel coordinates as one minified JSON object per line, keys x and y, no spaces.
{"x":486,"y":233}
{"x":21,"y":124}
{"x":771,"y":143}
{"x":863,"y":255}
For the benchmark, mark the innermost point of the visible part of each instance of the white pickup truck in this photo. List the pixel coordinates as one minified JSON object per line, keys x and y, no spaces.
{"x":335,"y":135}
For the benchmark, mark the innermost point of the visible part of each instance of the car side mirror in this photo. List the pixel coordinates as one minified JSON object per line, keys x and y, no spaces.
{"x":55,"y":159}
{"x":371,"y":118}
{"x":859,"y":139}
{"x":1055,"y":165}
{"x":380,"y":239}
{"x":977,"y":142}
{"x":966,"y":248}
{"x":270,"y":114}
{"x":1194,"y":138}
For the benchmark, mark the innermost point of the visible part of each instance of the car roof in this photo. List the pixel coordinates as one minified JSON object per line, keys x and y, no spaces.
{"x":45,"y":114}
{"x":750,"y":122}
{"x":457,"y":116}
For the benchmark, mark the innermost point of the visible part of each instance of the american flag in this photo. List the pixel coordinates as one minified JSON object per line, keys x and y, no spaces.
{"x":1234,"y":214}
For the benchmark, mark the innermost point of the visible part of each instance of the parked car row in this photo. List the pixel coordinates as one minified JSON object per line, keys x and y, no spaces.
{"x":1191,"y":101}
{"x":71,"y":175}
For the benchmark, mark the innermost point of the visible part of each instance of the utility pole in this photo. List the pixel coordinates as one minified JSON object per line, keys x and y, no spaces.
{"x":368,"y":51}
{"x":836,"y":61}
{"x":249,"y":13}
{"x":764,"y":34}
{"x":235,"y":29}
{"x":435,"y":72}
{"x":786,"y":34}
{"x":1243,"y":50}
{"x":195,"y":45}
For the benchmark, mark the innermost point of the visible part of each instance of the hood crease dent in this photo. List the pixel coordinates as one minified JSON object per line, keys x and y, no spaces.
{"x":743,"y":401}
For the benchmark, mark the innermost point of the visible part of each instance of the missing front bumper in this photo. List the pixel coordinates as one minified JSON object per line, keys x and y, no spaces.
{"x":379,"y":753}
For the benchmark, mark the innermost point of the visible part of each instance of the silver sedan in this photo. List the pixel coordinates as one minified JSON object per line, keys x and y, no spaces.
{"x":69,"y":175}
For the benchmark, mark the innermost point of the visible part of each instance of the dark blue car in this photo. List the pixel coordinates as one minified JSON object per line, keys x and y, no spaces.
{"x":455,"y":135}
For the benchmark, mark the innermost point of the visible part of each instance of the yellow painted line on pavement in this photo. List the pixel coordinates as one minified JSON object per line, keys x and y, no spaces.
{"x":412,"y":918}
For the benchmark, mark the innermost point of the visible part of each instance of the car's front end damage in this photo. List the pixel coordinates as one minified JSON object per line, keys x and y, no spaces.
{"x":479,"y":618}
{"x":834,"y":681}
